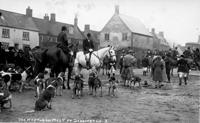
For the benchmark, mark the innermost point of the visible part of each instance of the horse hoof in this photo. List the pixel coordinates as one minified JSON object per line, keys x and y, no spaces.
{"x":69,"y":88}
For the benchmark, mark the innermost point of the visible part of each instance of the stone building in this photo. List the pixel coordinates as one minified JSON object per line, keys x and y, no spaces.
{"x":18,"y":30}
{"x":193,"y":45}
{"x":159,"y":41}
{"x":21,"y":30}
{"x":125,"y":31}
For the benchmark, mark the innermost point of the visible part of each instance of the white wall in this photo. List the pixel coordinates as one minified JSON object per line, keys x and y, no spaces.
{"x":16,"y":36}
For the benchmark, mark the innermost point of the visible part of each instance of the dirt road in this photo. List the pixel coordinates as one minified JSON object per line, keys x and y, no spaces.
{"x":172,"y":104}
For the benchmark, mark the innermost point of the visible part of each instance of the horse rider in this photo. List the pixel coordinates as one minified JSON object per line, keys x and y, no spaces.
{"x":62,"y":40}
{"x":63,"y":43}
{"x":88,"y":47}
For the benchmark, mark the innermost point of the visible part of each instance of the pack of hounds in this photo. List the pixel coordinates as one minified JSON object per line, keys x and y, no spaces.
{"x":47,"y":86}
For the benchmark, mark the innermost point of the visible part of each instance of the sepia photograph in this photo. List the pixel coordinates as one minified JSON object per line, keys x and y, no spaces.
{"x":100,"y":61}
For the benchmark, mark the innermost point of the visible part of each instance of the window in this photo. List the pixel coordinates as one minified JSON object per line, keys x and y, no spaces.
{"x":124,"y":36}
{"x":107,"y":36}
{"x":5,"y":33}
{"x":26,"y":36}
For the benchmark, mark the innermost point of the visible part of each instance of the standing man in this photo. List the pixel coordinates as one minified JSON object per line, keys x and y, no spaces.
{"x":149,"y":53}
{"x":168,"y":66}
{"x":2,"y":57}
{"x":62,"y":40}
{"x":175,"y":53}
{"x":187,"y":53}
{"x":88,"y":47}
{"x":183,"y":70}
{"x":121,"y":61}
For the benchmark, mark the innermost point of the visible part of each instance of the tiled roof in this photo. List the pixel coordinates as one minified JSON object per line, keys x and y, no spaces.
{"x":17,"y":20}
{"x":54,"y":28}
{"x":135,"y":25}
{"x":22,"y":21}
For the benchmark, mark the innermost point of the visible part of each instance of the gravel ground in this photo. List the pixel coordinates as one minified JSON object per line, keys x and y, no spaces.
{"x":171,"y":104}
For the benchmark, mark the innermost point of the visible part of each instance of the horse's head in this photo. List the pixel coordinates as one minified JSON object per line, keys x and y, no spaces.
{"x":111,"y":54}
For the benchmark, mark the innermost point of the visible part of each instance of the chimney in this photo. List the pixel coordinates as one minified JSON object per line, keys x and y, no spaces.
{"x":161,"y":34}
{"x":199,"y":39}
{"x":29,"y":12}
{"x":87,"y":28}
{"x":153,"y":30}
{"x":76,"y":20}
{"x":117,"y":9}
{"x":53,"y":17}
{"x":46,"y":17}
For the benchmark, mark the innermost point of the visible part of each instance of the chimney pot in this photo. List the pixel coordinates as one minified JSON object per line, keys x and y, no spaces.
{"x":46,"y":17}
{"x":53,"y":17}
{"x":117,"y":9}
{"x":161,"y":34}
{"x":87,"y":28}
{"x":29,"y":11}
{"x":76,"y":20}
{"x":153,"y":30}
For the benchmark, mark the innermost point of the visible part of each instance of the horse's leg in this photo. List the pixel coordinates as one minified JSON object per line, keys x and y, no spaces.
{"x":103,"y":70}
{"x":172,"y":71}
{"x":10,"y":107}
{"x":69,"y":76}
{"x":101,"y":92}
{"x":109,"y":90}
{"x":73,"y":93}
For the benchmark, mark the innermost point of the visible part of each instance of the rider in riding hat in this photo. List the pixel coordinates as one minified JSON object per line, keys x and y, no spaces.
{"x":88,"y":47}
{"x":63,"y":43}
{"x":62,"y":40}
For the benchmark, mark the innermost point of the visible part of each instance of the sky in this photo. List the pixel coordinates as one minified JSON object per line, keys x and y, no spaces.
{"x":178,"y":19}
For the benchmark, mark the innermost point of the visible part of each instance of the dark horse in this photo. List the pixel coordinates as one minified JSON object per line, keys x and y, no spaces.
{"x":54,"y":58}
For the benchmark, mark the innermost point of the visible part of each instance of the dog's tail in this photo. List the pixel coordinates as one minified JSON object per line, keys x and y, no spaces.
{"x":31,"y":111}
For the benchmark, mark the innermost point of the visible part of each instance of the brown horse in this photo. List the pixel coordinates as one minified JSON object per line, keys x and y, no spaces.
{"x":54,"y":58}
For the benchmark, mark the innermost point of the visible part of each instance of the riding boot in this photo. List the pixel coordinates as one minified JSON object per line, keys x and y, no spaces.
{"x":88,"y":65}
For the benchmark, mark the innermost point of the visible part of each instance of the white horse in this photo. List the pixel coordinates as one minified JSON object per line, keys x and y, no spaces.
{"x":96,"y":58}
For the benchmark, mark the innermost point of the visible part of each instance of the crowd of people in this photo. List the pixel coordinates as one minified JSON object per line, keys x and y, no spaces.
{"x":161,"y":63}
{"x":14,"y":58}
